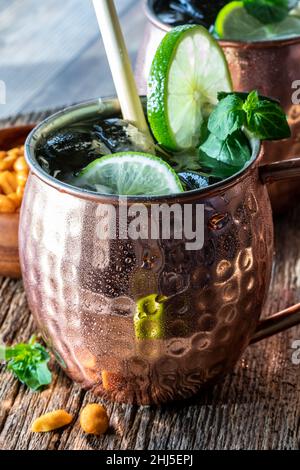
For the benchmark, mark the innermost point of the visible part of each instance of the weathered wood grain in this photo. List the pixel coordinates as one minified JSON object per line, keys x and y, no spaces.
{"x":52,"y":53}
{"x":256,"y":407}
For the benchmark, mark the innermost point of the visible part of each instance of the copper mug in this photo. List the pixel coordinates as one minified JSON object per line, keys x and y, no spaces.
{"x":83,"y":290}
{"x":271,"y":67}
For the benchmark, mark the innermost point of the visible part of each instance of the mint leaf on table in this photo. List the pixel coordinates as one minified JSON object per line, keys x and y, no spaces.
{"x":234,"y":150}
{"x":266,"y":119}
{"x":267,"y":11}
{"x":227,"y":117}
{"x":29,"y":363}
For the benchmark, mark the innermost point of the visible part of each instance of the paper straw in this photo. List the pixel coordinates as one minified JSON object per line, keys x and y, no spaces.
{"x":119,"y":63}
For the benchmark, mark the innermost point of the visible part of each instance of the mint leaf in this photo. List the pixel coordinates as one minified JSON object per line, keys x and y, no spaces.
{"x":267,"y":11}
{"x":223,"y":139}
{"x":266,"y":119}
{"x":264,"y":116}
{"x":243,"y":96}
{"x":227,"y":117}
{"x":215,"y":168}
{"x":29,"y":363}
{"x":234,"y":150}
{"x":251,"y":102}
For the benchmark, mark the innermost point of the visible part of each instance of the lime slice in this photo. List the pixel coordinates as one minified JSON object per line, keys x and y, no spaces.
{"x":234,"y":23}
{"x":129,"y":174}
{"x":188,"y":71}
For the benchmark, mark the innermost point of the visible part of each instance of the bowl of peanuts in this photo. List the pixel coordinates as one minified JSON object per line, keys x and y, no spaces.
{"x":13,"y":177}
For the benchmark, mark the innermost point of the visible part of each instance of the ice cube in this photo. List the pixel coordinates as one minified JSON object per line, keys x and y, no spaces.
{"x":188,"y":11}
{"x":69,"y":150}
{"x":192,"y":180}
{"x":120,"y":136}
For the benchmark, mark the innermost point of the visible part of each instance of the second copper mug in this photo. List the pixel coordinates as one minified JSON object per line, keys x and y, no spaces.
{"x":271,"y":67}
{"x":83,"y":290}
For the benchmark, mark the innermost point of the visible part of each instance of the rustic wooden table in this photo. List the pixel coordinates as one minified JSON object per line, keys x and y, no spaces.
{"x":256,"y":407}
{"x":51,"y":54}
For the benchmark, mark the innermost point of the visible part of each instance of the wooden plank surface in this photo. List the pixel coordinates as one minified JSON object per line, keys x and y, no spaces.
{"x":51,"y":53}
{"x":255,"y":407}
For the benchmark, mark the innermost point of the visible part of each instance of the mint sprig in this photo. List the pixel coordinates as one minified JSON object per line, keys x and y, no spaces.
{"x":236,"y":112}
{"x":28,"y":362}
{"x":267,"y":11}
{"x":262,"y":116}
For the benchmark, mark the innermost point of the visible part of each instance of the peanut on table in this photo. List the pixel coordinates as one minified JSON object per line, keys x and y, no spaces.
{"x":13,"y":176}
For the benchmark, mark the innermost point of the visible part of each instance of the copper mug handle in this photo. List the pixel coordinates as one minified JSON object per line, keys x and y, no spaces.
{"x":270,"y":173}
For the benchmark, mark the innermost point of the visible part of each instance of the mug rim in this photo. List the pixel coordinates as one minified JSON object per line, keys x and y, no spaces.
{"x":107,"y":105}
{"x":153,"y":18}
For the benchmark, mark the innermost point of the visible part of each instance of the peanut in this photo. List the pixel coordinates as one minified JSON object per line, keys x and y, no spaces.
{"x":22,"y":177}
{"x":7,"y":162}
{"x":15,"y":152}
{"x":16,"y":199}
{"x":13,"y":176}
{"x":8,"y":182}
{"x":20,"y":191}
{"x":20,"y":165}
{"x":51,"y":421}
{"x":94,"y":419}
{"x":7,"y":205}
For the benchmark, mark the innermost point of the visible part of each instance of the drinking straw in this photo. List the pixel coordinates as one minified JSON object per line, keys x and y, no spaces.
{"x":119,"y":63}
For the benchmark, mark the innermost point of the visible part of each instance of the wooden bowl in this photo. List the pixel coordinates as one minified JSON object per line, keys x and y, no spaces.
{"x":9,"y":223}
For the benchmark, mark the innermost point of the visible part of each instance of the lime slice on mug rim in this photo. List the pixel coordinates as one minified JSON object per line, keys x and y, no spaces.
{"x":188,"y":71}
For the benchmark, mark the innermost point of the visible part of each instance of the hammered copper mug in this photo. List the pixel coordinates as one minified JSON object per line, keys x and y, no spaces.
{"x":271,"y":67}
{"x":83,"y":290}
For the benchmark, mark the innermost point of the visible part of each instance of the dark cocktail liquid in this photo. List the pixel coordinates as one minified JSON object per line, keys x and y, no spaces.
{"x":68,"y":150}
{"x":176,"y":12}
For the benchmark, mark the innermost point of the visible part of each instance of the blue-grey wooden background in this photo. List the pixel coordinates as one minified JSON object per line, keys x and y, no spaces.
{"x":51,"y":52}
